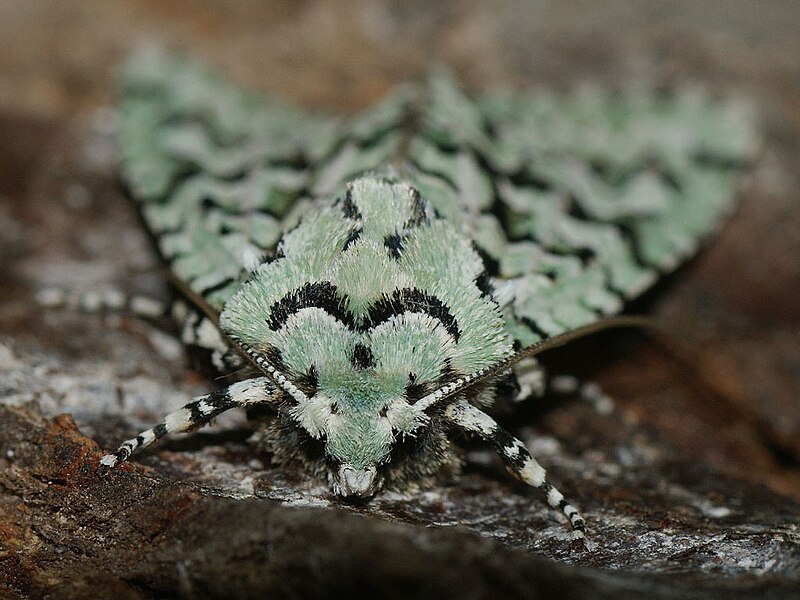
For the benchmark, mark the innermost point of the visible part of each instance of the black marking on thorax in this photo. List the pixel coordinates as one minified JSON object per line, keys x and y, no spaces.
{"x":413,"y":300}
{"x":414,"y":389}
{"x":319,"y":294}
{"x":325,"y":296}
{"x":348,"y":207}
{"x":362,"y":357}
{"x":352,"y":237}
{"x":274,"y":357}
{"x":394,"y":244}
{"x":419,"y":215}
{"x":308,"y":381}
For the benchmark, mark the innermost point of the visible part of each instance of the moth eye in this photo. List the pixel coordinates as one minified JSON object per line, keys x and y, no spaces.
{"x":384,"y":412}
{"x":334,"y":409}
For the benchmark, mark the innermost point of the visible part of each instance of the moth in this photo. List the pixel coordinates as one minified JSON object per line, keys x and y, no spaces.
{"x":385,"y":279}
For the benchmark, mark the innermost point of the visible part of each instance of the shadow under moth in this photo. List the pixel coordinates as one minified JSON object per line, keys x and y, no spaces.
{"x":384,"y":279}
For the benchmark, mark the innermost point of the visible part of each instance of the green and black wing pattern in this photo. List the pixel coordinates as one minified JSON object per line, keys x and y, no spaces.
{"x":381,"y":270}
{"x":575,"y":204}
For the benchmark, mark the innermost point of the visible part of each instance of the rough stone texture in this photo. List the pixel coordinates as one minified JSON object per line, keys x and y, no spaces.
{"x":690,"y":487}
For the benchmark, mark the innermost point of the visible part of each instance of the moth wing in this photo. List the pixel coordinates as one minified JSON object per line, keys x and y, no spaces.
{"x":578,"y":204}
{"x":215,"y":169}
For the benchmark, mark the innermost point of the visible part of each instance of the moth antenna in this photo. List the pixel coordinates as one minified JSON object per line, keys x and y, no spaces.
{"x":264,"y":365}
{"x":462,"y":383}
{"x":241,"y":371}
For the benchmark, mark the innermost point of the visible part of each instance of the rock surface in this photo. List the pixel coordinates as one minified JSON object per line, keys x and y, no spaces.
{"x":690,"y":485}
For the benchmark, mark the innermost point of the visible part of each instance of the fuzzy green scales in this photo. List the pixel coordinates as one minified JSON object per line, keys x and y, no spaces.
{"x":581,"y":201}
{"x":373,"y":260}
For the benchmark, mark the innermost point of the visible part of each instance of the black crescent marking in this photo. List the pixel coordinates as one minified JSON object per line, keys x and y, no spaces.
{"x":490,"y":264}
{"x":321,"y":294}
{"x":484,"y":283}
{"x":325,"y":296}
{"x":412,"y":300}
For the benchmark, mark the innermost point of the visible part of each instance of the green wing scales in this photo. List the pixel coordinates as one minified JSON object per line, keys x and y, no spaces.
{"x":575,"y":204}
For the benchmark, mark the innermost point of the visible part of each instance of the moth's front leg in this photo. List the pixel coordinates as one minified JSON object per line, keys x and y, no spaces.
{"x":516,"y":457}
{"x":105,"y":301}
{"x":198,"y":330}
{"x":589,"y":392}
{"x":533,"y":381}
{"x":197,"y":413}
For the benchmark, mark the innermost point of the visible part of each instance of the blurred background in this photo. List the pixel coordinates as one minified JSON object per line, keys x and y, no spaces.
{"x":56,"y":57}
{"x":730,"y":406}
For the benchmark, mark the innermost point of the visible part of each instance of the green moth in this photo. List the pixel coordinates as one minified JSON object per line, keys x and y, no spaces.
{"x":387,"y":277}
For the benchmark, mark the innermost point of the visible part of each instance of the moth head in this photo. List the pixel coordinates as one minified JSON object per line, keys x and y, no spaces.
{"x":359,"y":415}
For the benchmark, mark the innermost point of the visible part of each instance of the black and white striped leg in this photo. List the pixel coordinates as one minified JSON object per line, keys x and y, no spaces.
{"x":531,"y":379}
{"x":200,"y":331}
{"x":104,"y":301}
{"x":516,"y":457}
{"x":199,"y":412}
{"x":589,"y":392}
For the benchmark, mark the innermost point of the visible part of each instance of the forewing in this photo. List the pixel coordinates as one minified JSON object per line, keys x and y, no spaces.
{"x":218,"y":171}
{"x":579,"y":203}
{"x":576,"y":204}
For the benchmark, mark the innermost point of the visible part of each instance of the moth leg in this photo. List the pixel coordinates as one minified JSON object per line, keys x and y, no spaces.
{"x":589,"y":392}
{"x":198,"y":413}
{"x":108,"y":300}
{"x":531,"y":379}
{"x":198,"y":330}
{"x":518,"y":460}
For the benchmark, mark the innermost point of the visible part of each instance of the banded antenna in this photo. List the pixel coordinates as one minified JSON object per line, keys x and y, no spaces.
{"x":462,"y":383}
